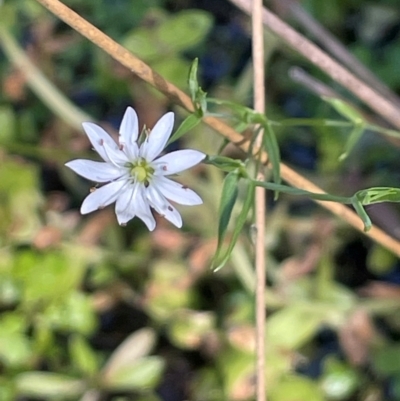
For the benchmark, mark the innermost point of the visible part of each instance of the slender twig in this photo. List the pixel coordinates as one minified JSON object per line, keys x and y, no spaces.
{"x":312,"y":84}
{"x":260,"y":204}
{"x":333,"y":45}
{"x":316,"y":56}
{"x":144,"y":72}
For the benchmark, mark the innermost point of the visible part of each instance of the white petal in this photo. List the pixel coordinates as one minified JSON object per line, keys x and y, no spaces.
{"x":177,"y":161}
{"x":162,"y":206}
{"x":176,"y":192}
{"x":142,"y":208}
{"x":102,"y":197}
{"x":104,"y":145}
{"x":95,"y":171}
{"x":124,"y":207}
{"x":129,"y":131}
{"x":158,"y":137}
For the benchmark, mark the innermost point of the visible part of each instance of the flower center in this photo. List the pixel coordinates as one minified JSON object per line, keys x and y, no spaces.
{"x":141,"y":171}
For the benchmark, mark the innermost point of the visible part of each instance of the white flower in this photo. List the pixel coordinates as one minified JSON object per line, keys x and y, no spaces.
{"x":137,"y":179}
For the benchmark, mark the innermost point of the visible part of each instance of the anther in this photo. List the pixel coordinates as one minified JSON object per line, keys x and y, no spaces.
{"x":185,"y":187}
{"x":92,"y":189}
{"x":101,"y":142}
{"x":170,"y":208}
{"x":164,"y":168}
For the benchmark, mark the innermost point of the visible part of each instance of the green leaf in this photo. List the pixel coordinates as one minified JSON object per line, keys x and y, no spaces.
{"x":339,"y":381}
{"x":243,"y":113}
{"x":74,"y":314}
{"x":143,"y":374}
{"x":193,"y":84}
{"x":353,"y":138}
{"x":227,"y":164}
{"x":378,"y":195}
{"x":173,"y":68}
{"x":297,"y":388}
{"x":133,"y":348}
{"x":228,"y":200}
{"x":188,"y":123}
{"x":48,"y":385}
{"x":199,"y":97}
{"x":344,"y":109}
{"x":184,"y":29}
{"x":271,"y":146}
{"x":169,"y":34}
{"x":293,"y":326}
{"x":219,"y":261}
{"x":83,"y":356}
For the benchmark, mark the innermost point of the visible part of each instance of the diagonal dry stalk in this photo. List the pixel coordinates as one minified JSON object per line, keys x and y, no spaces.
{"x":144,"y":72}
{"x":260,"y":199}
{"x":320,"y":59}
{"x":337,"y":49}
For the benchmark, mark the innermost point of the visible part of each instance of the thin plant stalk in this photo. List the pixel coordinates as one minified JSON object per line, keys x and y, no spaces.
{"x":260,"y":208}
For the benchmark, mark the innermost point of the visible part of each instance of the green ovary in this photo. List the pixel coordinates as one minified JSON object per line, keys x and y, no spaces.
{"x":141,"y":171}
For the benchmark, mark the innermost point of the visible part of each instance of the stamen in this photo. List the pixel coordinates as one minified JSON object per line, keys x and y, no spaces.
{"x":164,"y":168}
{"x":170,"y":208}
{"x":185,"y":187}
{"x":92,"y":189}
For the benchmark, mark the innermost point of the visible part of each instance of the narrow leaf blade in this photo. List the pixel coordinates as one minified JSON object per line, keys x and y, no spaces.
{"x":187,"y":124}
{"x":219,"y":262}
{"x":272,"y":148}
{"x":228,"y":200}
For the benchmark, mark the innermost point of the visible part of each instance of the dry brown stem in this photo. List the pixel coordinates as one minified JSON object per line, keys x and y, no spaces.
{"x":332,"y":68}
{"x":260,"y":200}
{"x":176,"y":95}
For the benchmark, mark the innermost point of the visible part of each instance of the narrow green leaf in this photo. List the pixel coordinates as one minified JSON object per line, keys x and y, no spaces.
{"x":359,"y":208}
{"x":344,"y":109}
{"x":272,"y":148}
{"x":301,"y":192}
{"x":83,"y":356}
{"x":219,"y":262}
{"x":227,"y":164}
{"x":243,"y":113}
{"x":199,"y":97}
{"x":228,"y":200}
{"x":192,"y":79}
{"x":353,"y":138}
{"x":378,"y":195}
{"x":187,"y":124}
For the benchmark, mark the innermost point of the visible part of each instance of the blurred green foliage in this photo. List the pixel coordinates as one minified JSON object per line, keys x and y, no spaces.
{"x":65,"y":281}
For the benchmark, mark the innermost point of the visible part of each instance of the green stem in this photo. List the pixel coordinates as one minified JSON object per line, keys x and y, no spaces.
{"x":295,"y":191}
{"x":311,"y":122}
